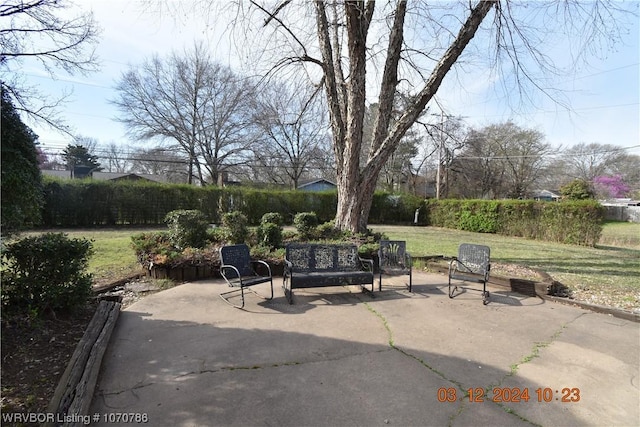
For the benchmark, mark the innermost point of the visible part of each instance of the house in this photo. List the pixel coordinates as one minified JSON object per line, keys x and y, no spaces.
{"x":79,"y":173}
{"x":545,"y":196}
{"x":317,"y":185}
{"x":113,"y":176}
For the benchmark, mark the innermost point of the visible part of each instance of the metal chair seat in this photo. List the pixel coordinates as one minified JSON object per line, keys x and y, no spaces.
{"x":238,"y":270}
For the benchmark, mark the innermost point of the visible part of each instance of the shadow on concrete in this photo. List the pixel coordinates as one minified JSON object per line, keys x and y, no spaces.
{"x":185,"y":373}
{"x":184,"y":357}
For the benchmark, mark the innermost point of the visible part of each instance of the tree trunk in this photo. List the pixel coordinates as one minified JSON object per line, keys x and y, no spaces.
{"x":355,"y":186}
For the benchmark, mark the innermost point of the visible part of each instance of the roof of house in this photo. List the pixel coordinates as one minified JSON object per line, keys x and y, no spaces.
{"x":316,"y":181}
{"x":106,"y":176}
{"x":545,"y":193}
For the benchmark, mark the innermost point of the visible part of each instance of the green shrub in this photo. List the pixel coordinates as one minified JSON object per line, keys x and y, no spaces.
{"x":578,"y":189}
{"x":273,"y":218}
{"x":269,"y":231}
{"x":187,"y":228}
{"x":153,"y":248}
{"x":306,"y":223}
{"x":479,"y":216}
{"x":574,"y":222}
{"x":270,"y":235}
{"x":389,"y":208}
{"x":45,"y":273}
{"x":235,"y":224}
{"x":328,"y":231}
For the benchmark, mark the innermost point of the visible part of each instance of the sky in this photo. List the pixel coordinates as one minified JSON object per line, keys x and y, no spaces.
{"x":604,"y":97}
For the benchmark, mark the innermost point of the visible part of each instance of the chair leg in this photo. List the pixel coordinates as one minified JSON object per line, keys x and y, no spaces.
{"x":410,"y":282}
{"x":222,"y":295}
{"x":288,"y":293}
{"x":485,"y":294}
{"x":241,"y":290}
{"x":452,"y":291}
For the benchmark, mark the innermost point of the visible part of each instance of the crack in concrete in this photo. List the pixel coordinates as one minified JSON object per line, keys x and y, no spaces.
{"x":463,"y":404}
{"x":274,"y":365}
{"x":118,"y":392}
{"x":535,"y":353}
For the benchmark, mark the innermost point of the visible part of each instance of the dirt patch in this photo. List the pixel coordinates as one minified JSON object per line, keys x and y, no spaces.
{"x":35,"y":353}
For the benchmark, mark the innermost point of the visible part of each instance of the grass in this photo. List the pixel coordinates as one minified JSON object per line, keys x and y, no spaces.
{"x":113,"y":258}
{"x":613,"y":266}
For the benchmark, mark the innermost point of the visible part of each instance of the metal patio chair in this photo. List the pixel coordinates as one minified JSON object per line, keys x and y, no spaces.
{"x":394,"y":260}
{"x":471,"y":265}
{"x":238,"y":270}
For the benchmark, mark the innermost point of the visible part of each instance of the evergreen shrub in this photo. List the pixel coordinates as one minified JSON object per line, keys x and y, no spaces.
{"x":187,"y":228}
{"x":270,"y":230}
{"x":235,"y":224}
{"x":306,"y":223}
{"x":45,"y":273}
{"x":573,"y":222}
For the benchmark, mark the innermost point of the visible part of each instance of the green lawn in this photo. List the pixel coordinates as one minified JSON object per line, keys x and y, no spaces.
{"x":113,"y":258}
{"x":612,"y":267}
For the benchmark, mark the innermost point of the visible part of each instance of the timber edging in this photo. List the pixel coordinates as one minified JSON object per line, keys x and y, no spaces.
{"x":538,"y":289}
{"x":74,"y":392}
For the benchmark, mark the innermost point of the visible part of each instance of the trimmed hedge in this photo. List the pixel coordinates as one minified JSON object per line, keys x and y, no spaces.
{"x":88,"y":203}
{"x":93,"y":203}
{"x":80,"y":203}
{"x":572,"y":222}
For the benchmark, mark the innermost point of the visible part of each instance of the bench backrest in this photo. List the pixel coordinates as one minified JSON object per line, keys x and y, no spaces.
{"x":307,"y":257}
{"x":239,"y":257}
{"x":473,"y":258}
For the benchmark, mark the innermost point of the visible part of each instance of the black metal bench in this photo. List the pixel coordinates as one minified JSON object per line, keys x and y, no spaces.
{"x":471,"y":265}
{"x":312,"y":265}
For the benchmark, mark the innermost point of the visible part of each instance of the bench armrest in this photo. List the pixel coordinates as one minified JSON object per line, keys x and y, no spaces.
{"x":409,"y":261}
{"x":451,"y":267}
{"x":288,"y":267}
{"x":367,"y":264}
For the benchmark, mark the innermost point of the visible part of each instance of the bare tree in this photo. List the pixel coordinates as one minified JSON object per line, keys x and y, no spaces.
{"x":357,"y":39}
{"x":502,"y":160}
{"x":587,"y":161}
{"x":190,"y":100}
{"x":444,"y":136}
{"x":293,"y":122}
{"x":116,"y":159}
{"x":161,"y":162}
{"x":36,"y":29}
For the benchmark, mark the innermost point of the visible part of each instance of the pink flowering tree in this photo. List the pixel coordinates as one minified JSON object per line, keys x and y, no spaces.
{"x":610,"y":186}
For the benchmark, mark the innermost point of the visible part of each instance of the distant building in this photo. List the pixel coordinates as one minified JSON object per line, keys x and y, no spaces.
{"x":317,"y":185}
{"x":80,"y":173}
{"x":545,"y":196}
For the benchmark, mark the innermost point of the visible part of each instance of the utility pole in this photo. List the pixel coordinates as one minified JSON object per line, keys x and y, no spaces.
{"x":438,"y":178}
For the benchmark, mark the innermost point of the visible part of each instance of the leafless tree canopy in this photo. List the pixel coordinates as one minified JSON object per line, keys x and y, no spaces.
{"x":34,"y":29}
{"x":365,"y":52}
{"x":588,"y":161}
{"x":500,"y":161}
{"x":202,"y":106}
{"x":294,"y":129}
